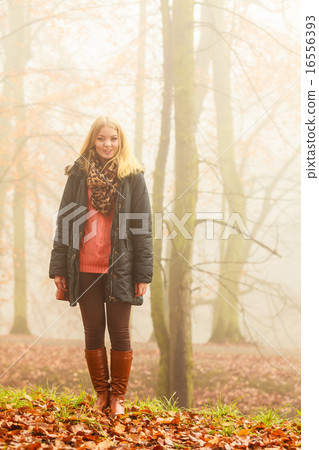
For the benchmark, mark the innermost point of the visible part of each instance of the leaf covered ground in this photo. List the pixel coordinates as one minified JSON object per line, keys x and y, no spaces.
{"x":35,"y":418}
{"x":230,"y":373}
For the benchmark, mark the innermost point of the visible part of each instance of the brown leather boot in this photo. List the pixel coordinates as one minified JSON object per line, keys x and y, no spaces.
{"x":120,"y":372}
{"x":97,"y":364}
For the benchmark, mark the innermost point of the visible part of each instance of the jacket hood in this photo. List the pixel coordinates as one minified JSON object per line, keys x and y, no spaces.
{"x":76,"y":168}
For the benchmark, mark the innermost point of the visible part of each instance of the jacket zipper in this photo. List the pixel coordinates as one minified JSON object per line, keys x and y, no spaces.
{"x":114,"y":246}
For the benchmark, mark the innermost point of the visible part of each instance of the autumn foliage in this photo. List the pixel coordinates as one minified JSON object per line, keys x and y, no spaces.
{"x":42,"y":419}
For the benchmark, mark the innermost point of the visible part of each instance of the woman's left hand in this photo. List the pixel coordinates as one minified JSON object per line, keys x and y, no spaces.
{"x":140,"y":289}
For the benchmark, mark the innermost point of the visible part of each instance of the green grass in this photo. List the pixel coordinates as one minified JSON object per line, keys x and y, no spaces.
{"x":65,"y":406}
{"x":230,"y":418}
{"x":156,"y":404}
{"x":274,"y":417}
{"x":269,"y":417}
{"x":221,"y":410}
{"x":31,"y":396}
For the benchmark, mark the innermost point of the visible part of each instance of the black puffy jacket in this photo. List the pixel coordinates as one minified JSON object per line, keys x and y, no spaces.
{"x":131,"y":258}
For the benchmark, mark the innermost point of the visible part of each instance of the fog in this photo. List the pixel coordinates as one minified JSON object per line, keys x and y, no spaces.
{"x":65,"y":63}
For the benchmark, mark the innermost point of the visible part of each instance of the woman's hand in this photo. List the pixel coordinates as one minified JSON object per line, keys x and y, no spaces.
{"x":140,"y":289}
{"x":60,"y":282}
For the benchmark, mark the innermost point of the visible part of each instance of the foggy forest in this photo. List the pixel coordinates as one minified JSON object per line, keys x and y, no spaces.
{"x":208,"y":95}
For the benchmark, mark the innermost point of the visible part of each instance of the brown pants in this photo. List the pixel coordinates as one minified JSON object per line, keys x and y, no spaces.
{"x":93,"y":311}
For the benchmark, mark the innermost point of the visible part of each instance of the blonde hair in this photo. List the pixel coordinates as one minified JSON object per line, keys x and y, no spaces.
{"x":128,"y":164}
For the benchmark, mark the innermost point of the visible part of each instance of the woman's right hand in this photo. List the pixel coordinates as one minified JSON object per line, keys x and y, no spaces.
{"x":60,"y":282}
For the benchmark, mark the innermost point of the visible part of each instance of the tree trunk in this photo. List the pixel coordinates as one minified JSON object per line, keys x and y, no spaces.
{"x":186,"y":171}
{"x":157,"y":289}
{"x":19,"y":55}
{"x":6,"y":156}
{"x":225,"y":320}
{"x":139,"y":84}
{"x":20,"y":323}
{"x":203,"y":60}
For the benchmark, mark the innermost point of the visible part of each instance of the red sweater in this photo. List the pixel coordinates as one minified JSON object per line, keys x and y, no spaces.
{"x":95,"y":247}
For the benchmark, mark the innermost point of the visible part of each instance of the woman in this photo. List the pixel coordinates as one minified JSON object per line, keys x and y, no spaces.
{"x":102,"y":252}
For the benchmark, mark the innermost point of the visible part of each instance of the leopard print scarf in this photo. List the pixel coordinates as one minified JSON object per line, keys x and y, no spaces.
{"x":103,"y":184}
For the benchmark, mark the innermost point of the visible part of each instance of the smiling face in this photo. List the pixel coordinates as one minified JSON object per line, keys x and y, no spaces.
{"x":107,"y":143}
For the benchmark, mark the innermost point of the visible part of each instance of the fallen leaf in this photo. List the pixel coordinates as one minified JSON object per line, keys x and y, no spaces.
{"x":119,"y":428}
{"x":105,"y":444}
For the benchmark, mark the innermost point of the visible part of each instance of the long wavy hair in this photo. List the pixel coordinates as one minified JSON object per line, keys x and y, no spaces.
{"x":128,"y":164}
